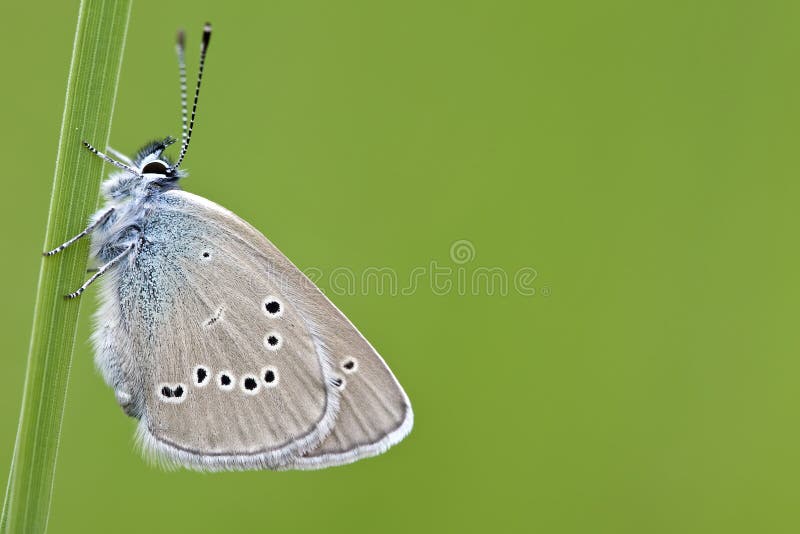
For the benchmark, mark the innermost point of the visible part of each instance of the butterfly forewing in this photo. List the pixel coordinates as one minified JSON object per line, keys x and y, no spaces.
{"x":247,"y":364}
{"x":227,"y":384}
{"x":374,"y":410}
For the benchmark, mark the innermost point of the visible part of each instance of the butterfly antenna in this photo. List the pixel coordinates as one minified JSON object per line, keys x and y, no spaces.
{"x":203,"y":49}
{"x":180,"y":47}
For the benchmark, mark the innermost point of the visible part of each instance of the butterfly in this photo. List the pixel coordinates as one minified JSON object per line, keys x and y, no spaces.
{"x":226,"y":353}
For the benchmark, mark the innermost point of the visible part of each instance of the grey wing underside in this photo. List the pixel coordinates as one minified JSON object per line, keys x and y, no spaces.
{"x":331,"y":399}
{"x":375,"y":412}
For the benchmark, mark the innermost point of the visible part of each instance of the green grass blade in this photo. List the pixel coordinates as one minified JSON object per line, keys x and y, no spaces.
{"x":91,"y":90}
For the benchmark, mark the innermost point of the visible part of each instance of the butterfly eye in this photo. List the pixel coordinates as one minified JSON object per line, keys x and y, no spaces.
{"x":155,"y":167}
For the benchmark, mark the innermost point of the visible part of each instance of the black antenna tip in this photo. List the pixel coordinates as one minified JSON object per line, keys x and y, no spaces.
{"x":206,"y":34}
{"x":181,"y":40}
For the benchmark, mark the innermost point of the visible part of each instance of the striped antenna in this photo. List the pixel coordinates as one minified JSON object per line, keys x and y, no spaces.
{"x":180,"y":47}
{"x":203,"y":49}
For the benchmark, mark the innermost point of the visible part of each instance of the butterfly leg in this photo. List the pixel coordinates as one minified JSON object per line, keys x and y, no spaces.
{"x":89,"y":229}
{"x":119,"y":155}
{"x":109,"y":159}
{"x":101,"y":270}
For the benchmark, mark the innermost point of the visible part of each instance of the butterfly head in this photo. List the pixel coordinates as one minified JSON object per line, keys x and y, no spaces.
{"x":150,"y":170}
{"x":156,"y":169}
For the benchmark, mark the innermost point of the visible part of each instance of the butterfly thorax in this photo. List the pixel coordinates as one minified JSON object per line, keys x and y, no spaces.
{"x":129,"y":194}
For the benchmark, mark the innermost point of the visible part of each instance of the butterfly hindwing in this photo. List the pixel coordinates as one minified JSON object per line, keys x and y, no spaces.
{"x":375,"y":412}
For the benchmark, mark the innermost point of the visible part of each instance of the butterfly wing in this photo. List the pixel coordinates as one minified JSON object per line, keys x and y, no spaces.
{"x":235,"y":359}
{"x":223,"y":384}
{"x":375,"y":412}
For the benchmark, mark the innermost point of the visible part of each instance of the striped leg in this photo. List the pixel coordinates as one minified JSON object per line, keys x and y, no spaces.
{"x":89,"y":229}
{"x":110,"y":160}
{"x":120,"y":156}
{"x":100,"y":271}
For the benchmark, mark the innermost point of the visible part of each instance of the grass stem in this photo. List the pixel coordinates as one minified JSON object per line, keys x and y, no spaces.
{"x":91,"y":91}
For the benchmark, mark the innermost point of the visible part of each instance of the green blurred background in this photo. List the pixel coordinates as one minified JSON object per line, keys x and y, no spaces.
{"x":641,"y":157}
